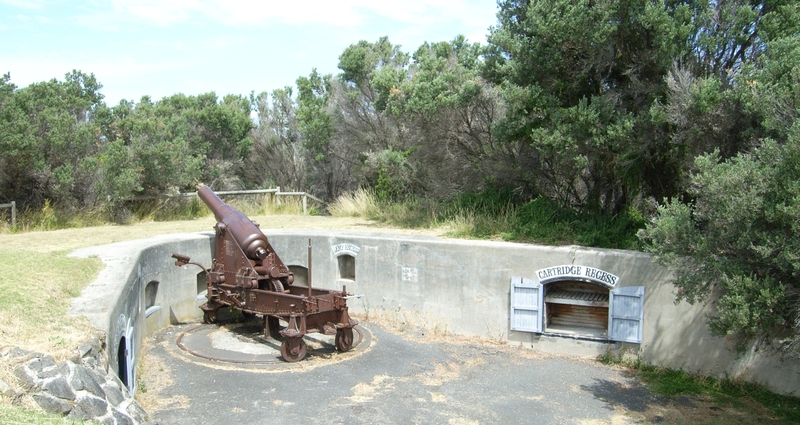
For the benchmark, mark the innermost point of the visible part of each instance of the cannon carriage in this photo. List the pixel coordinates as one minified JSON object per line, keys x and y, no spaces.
{"x":247,"y":275}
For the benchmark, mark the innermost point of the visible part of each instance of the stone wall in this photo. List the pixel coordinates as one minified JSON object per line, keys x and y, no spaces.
{"x":81,"y":388}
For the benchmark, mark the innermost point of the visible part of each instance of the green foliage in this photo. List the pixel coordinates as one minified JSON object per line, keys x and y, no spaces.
{"x":496,"y":213}
{"x":314,"y":123}
{"x":392,"y":174}
{"x":737,"y":242}
{"x":48,"y":141}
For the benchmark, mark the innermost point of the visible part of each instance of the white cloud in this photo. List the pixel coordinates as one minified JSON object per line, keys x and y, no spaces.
{"x":327,"y":12}
{"x":25,"y":4}
{"x":27,"y":71}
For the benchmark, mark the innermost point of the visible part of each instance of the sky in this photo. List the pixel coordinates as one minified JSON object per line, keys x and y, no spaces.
{"x":163,"y":47}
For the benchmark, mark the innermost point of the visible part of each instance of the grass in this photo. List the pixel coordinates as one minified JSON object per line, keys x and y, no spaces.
{"x":14,"y":415}
{"x":736,"y":401}
{"x":497,"y":214}
{"x":150,"y":210}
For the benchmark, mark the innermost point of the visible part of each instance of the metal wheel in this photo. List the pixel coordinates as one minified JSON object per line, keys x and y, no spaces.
{"x":344,"y":339}
{"x":277,"y":286}
{"x":293,"y":349}
{"x":210,"y":317}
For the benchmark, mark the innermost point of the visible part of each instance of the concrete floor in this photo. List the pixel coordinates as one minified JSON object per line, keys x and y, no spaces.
{"x":395,"y":376}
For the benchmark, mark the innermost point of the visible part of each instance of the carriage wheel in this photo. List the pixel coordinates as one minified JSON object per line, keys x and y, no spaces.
{"x":293,"y":349}
{"x":344,"y":339}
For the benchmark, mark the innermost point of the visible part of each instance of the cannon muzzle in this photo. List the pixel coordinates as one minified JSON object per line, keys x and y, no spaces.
{"x":244,"y":231}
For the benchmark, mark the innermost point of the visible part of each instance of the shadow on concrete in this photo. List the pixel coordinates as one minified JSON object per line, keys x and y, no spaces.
{"x":629,"y":395}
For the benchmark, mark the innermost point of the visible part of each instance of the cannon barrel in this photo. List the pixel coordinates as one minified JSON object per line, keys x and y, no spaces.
{"x":244,"y":231}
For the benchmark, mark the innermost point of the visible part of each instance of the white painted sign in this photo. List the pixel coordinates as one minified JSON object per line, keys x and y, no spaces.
{"x":580,"y":273}
{"x":345,"y":248}
{"x":410,"y":274}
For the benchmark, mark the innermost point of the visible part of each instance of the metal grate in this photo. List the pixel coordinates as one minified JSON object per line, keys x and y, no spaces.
{"x":561,"y":296}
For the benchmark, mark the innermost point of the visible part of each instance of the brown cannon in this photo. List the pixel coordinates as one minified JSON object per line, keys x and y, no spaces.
{"x":247,"y":275}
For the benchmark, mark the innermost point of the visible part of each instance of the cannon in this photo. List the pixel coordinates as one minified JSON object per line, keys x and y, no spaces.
{"x":247,"y":275}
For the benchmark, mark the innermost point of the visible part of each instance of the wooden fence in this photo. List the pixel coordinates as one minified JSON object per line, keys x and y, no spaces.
{"x":13,"y":206}
{"x":277,"y":192}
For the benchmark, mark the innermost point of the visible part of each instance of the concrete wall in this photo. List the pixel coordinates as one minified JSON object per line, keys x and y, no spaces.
{"x":457,"y":286}
{"x":115,"y":302}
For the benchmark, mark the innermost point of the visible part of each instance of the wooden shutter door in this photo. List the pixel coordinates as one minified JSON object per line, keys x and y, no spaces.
{"x":526,"y":305}
{"x":626,"y":314}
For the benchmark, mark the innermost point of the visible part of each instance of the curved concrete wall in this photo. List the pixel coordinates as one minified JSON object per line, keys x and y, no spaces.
{"x":456,"y":286}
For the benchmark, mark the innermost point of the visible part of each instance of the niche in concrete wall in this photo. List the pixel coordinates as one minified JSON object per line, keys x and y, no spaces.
{"x":202,"y":286}
{"x":347,"y":267}
{"x":150,"y":297}
{"x":346,"y":258}
{"x":300,"y":275}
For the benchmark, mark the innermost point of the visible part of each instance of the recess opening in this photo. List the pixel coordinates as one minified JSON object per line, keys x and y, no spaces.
{"x":300,"y":275}
{"x":122,"y":361}
{"x":202,"y":286}
{"x":150,"y":292}
{"x":347,"y":267}
{"x":576,"y":308}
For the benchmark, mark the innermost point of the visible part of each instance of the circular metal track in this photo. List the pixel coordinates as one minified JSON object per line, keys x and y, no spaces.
{"x":329,"y":349}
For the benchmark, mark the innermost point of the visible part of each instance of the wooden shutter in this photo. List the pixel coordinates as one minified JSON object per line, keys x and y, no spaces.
{"x":626,"y":314}
{"x":526,"y":305}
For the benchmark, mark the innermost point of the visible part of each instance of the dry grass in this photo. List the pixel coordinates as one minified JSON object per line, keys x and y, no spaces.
{"x":361,"y":203}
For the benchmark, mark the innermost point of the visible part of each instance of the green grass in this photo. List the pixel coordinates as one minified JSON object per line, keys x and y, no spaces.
{"x":728,"y":393}
{"x":16,"y":415}
{"x":497,"y":214}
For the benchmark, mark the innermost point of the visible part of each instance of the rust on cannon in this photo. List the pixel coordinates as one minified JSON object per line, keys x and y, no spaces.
{"x":247,"y":275}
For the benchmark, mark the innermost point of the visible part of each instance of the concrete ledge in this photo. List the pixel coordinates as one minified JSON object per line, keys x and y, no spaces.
{"x":457,"y":286}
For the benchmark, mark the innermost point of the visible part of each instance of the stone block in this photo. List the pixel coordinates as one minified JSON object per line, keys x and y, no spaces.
{"x":58,"y":387}
{"x":84,"y":379}
{"x":26,"y":378}
{"x":41,"y":363}
{"x":114,"y":394}
{"x":7,"y":390}
{"x":48,"y":372}
{"x":51,"y":404}
{"x":136,"y":412}
{"x":122,"y":418}
{"x":93,"y":406}
{"x":17,"y":353}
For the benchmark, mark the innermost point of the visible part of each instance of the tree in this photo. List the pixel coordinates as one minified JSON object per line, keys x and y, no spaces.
{"x":445,"y":111}
{"x":579,"y":79}
{"x":329,"y":174}
{"x":168,"y":146}
{"x":278,"y":156}
{"x":737,"y":242}
{"x":48,"y":141}
{"x":148,"y":151}
{"x":734,"y":241}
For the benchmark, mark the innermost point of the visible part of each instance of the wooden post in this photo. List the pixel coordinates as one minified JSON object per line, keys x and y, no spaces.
{"x":277,"y":196}
{"x":305,"y":201}
{"x":13,"y":213}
